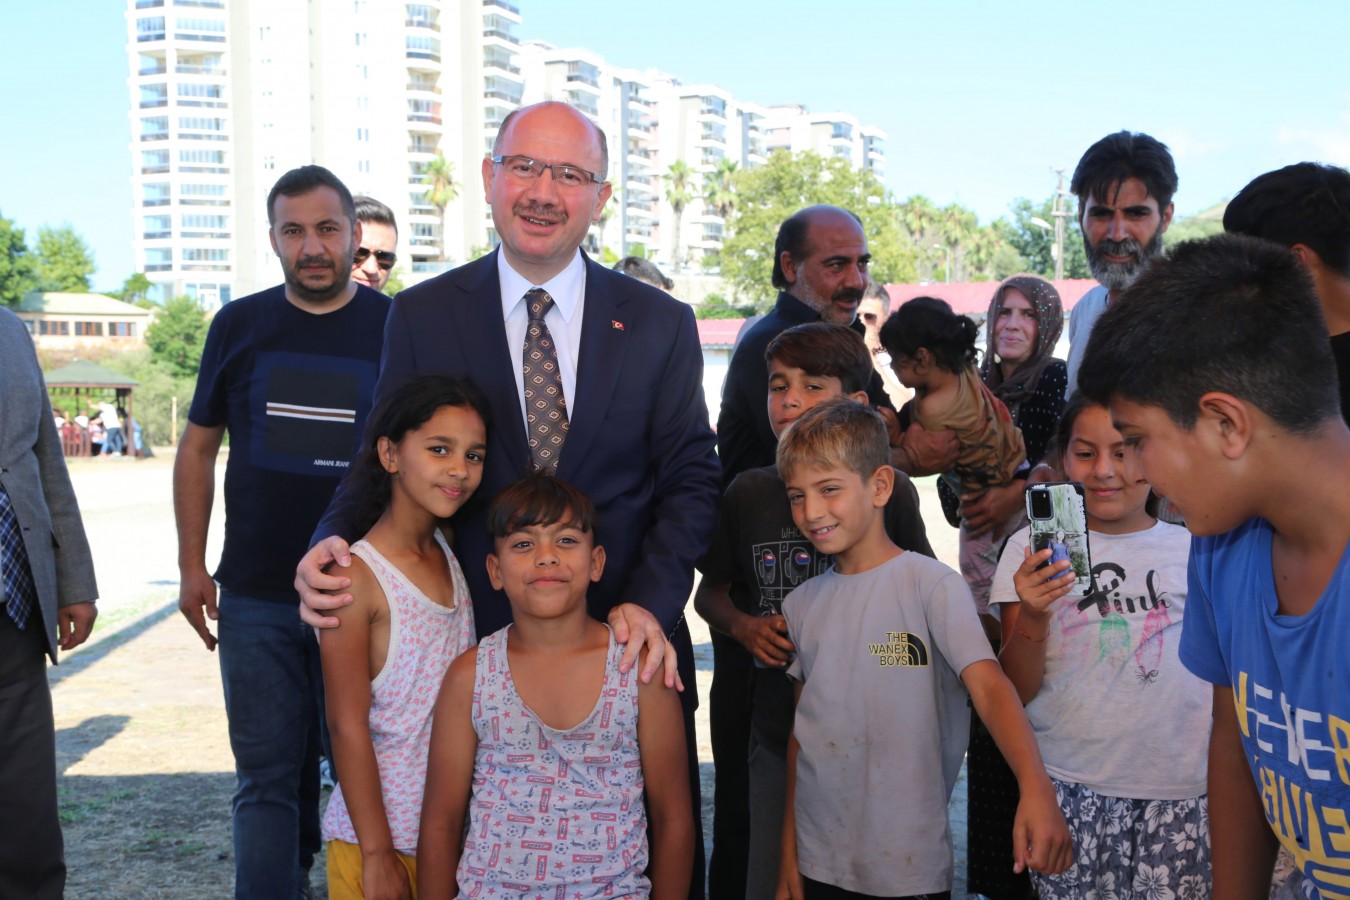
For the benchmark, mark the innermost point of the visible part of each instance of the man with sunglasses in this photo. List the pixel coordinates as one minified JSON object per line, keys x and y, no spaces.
{"x":589,"y":374}
{"x":374,"y":258}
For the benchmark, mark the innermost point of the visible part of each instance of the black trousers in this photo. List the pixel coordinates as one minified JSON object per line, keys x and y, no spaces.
{"x":32,"y":855}
{"x":729,"y":706}
{"x":816,"y":890}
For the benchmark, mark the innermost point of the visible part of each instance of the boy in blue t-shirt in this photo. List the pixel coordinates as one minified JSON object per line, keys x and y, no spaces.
{"x":1216,"y":367}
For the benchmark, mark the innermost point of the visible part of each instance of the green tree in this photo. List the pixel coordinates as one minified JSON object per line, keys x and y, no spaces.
{"x":1192,"y":229}
{"x":1034,"y":242}
{"x":715,"y":306}
{"x":18,"y":269}
{"x":152,"y":401}
{"x":64,"y":260}
{"x":679,"y":191}
{"x":176,"y":337}
{"x":136,"y":290}
{"x":395,"y":283}
{"x":719,"y":187}
{"x":770,"y":193}
{"x":439,"y":177}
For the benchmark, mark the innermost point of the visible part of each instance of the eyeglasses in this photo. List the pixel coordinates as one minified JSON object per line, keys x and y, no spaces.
{"x":383,"y":258}
{"x":522,"y":168}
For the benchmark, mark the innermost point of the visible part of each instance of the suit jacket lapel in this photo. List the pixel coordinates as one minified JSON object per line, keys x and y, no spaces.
{"x":477,"y":314}
{"x":604,"y":341}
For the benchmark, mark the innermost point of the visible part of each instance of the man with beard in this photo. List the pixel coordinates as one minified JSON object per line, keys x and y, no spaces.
{"x":1124,"y":184}
{"x":289,"y":373}
{"x":820,"y":269}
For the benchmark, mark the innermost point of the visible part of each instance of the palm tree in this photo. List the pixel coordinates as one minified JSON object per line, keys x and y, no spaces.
{"x":679,"y":179}
{"x":439,"y":177}
{"x":719,"y":187}
{"x":606,"y":213}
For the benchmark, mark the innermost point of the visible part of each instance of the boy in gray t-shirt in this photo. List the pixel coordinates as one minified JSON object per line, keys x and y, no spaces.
{"x":885,"y":640}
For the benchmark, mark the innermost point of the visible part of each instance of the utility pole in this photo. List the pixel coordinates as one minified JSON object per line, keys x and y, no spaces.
{"x":1059,"y":213}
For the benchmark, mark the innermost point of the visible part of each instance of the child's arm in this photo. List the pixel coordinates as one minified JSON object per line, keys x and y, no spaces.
{"x":789,"y":876}
{"x":665,"y":771}
{"x":345,"y":653}
{"x":1026,"y":624}
{"x":1040,"y":835}
{"x":764,"y":636}
{"x":1243,"y":846}
{"x":454,"y":743}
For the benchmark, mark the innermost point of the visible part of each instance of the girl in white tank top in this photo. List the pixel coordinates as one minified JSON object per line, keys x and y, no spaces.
{"x":410,"y":616}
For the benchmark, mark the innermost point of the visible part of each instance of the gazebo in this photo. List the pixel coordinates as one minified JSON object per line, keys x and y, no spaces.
{"x":83,"y":383}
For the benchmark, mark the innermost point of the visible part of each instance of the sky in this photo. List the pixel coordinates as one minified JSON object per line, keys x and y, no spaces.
{"x":979,"y":100}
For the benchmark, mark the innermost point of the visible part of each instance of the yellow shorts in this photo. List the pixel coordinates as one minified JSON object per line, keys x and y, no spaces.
{"x":344,"y":871}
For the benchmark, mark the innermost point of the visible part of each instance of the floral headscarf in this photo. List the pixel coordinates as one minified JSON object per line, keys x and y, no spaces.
{"x":1022,"y":383}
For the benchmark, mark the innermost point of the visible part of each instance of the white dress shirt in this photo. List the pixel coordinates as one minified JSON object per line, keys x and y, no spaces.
{"x":568,"y":290}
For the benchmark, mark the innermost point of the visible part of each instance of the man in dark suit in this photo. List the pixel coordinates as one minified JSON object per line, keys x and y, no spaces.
{"x":636,"y":437}
{"x":47,"y":594}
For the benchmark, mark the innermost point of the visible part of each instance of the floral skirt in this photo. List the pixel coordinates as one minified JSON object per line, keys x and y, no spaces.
{"x":1140,"y":849}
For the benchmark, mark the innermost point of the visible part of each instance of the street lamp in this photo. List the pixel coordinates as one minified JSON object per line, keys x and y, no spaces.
{"x":949,"y":259}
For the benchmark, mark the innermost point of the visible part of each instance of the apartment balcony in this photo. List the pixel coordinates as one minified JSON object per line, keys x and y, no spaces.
{"x":199,"y":68}
{"x":422,"y":149}
{"x":499,"y":37}
{"x":503,"y":9}
{"x":206,"y":4}
{"x":424,"y":57}
{"x":155,"y":136}
{"x":641,"y":211}
{"x":424,"y":121}
{"x":493,"y":68}
{"x":158,"y":169}
{"x":426,"y":24}
{"x":149,"y":4}
{"x":151,"y":71}
{"x":840,"y":140}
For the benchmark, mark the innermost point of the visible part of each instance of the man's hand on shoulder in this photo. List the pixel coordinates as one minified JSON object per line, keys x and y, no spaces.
{"x":638,"y":628}
{"x":319,"y":590}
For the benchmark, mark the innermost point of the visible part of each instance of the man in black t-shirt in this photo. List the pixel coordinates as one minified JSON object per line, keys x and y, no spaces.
{"x":1306,"y":207}
{"x":289,"y":373}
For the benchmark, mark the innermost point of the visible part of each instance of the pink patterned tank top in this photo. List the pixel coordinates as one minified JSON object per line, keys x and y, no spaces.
{"x":556,"y":814}
{"x":424,"y":638}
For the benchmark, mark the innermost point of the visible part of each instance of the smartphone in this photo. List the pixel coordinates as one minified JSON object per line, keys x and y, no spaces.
{"x":1058,"y":517}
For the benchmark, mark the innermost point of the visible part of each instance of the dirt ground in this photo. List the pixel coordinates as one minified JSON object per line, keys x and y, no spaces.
{"x":145,"y":768}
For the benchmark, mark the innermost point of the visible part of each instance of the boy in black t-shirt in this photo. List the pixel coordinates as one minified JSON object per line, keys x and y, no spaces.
{"x":759,"y":557}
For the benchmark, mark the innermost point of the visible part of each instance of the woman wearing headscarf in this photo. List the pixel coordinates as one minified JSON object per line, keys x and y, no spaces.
{"x":1024,"y":323}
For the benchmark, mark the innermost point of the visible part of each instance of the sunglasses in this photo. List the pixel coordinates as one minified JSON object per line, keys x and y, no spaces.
{"x":383,"y":258}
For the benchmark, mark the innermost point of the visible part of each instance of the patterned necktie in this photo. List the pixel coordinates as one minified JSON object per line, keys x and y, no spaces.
{"x":17,"y":576}
{"x":545,"y":405}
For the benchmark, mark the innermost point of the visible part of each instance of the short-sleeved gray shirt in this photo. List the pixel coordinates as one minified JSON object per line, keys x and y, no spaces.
{"x":882,"y":722}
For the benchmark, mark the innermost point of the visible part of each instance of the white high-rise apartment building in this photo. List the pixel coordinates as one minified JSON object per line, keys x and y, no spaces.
{"x":652,"y":121}
{"x":226,"y":95}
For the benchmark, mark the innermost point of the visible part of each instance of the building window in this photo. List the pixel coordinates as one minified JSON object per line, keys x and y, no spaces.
{"x":153,"y":95}
{"x":156,"y":227}
{"x":155,"y":194}
{"x":89,"y":329}
{"x":150,"y":29}
{"x":154,"y":162}
{"x":158,"y":259}
{"x":53,"y":328}
{"x":122,"y":329}
{"x":155,"y":128}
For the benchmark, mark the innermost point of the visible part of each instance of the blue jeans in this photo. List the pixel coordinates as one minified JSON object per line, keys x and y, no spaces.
{"x":269,"y":663}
